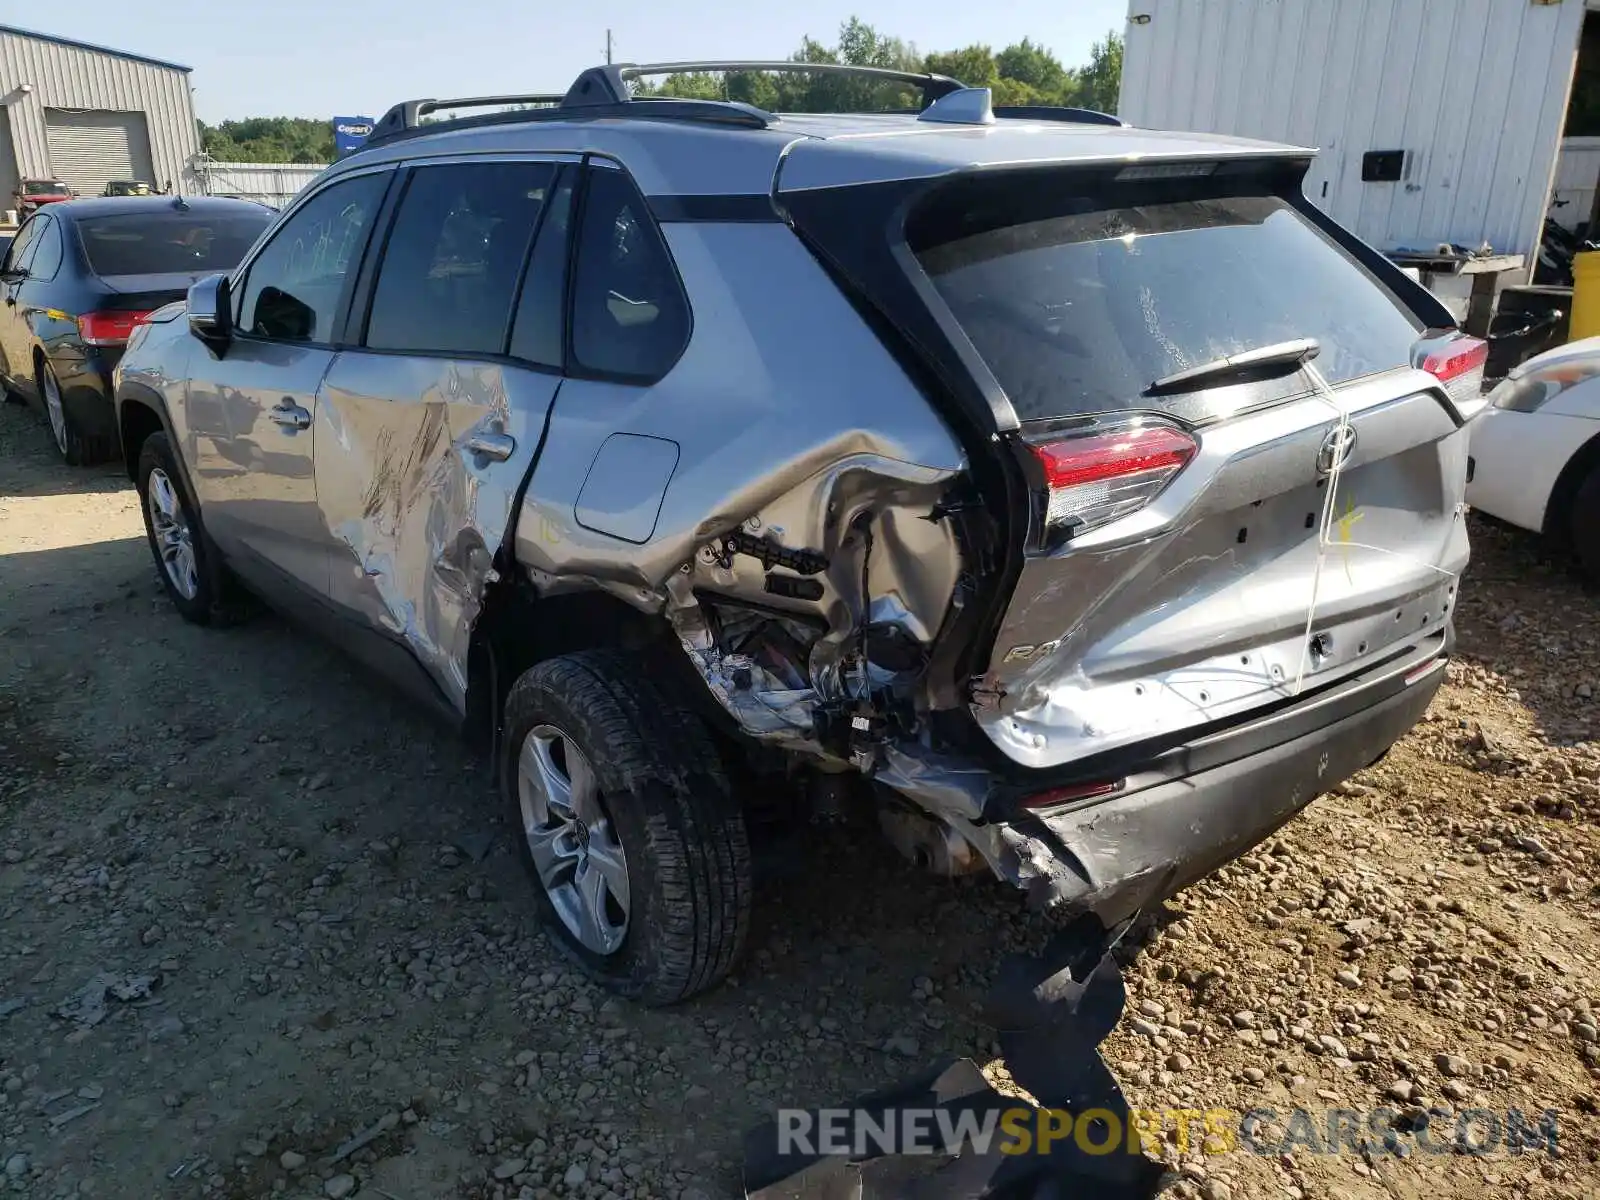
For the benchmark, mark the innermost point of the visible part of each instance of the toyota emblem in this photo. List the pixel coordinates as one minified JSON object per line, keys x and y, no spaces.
{"x":1336,"y":448}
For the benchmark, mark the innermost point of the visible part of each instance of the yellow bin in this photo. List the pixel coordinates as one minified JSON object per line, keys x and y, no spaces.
{"x":1585,"y":295}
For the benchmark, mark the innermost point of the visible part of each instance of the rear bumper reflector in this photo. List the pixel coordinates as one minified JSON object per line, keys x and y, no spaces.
{"x":1417,"y":674}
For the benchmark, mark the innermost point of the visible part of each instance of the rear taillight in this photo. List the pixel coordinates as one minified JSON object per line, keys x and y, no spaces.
{"x":1102,"y":476}
{"x":108,"y":328}
{"x":1458,"y":363}
{"x":1073,"y":793}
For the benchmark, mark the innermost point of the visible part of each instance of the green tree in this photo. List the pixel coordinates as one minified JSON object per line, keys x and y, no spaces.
{"x":1102,"y":79}
{"x":1031,"y":64}
{"x":269,"y":140}
{"x":975,"y":66}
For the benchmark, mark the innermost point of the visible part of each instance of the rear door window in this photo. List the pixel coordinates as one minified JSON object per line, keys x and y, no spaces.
{"x":163,"y":243}
{"x":1077,"y":301}
{"x":47,"y":254}
{"x":19,"y":255}
{"x":451,"y":264}
{"x":538,"y":330}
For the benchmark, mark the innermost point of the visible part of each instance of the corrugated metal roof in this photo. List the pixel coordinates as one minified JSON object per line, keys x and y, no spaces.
{"x":98,"y":49}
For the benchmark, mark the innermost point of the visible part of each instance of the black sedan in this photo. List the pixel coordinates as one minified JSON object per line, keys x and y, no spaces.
{"x":78,"y":277}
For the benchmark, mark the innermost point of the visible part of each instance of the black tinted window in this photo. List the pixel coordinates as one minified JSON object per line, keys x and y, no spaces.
{"x":295,"y":284}
{"x":629,"y":315}
{"x":166,"y":242}
{"x":451,"y":264}
{"x":47,"y":253}
{"x":1078,"y":303}
{"x":20,"y":252}
{"x":536,"y":334}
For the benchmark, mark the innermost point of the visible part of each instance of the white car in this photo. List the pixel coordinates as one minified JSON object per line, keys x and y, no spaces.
{"x":1536,"y":450}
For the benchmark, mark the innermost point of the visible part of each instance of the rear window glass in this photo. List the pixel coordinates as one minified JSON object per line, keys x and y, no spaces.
{"x":162,"y":243}
{"x":35,"y":187}
{"x":1077,"y":303}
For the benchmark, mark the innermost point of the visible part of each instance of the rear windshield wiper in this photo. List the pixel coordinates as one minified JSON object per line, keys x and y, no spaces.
{"x":1268,"y":362}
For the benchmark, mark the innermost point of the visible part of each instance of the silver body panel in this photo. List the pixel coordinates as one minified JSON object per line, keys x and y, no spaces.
{"x":767,"y":435}
{"x":255,"y":478}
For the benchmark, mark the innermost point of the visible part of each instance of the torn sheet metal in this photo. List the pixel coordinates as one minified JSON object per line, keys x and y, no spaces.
{"x":418,"y":465}
{"x":1051,"y":1012}
{"x":767,"y":707}
{"x":850,"y":549}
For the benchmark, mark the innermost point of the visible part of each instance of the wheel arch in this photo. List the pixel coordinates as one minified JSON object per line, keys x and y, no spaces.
{"x":518,"y":628}
{"x":1559,"y":504}
{"x":140,"y":411}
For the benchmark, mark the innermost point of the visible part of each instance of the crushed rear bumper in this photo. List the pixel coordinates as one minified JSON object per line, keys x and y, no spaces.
{"x":1193,"y":807}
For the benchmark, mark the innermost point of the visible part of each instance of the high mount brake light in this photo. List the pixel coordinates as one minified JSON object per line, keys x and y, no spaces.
{"x":1099,"y":477}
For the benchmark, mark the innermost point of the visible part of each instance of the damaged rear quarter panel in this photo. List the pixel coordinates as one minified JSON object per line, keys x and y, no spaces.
{"x":790,"y":417}
{"x":781,"y":381}
{"x":415,"y":515}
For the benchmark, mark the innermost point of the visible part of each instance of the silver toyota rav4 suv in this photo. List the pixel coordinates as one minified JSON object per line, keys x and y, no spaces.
{"x":1078,"y":496}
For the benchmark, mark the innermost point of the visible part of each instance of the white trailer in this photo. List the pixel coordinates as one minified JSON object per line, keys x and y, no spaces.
{"x":1437,"y":121}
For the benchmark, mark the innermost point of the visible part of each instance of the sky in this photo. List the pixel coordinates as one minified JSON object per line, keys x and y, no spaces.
{"x":326,"y":58}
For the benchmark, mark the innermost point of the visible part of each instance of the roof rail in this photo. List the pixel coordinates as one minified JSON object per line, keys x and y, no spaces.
{"x":933,"y":86}
{"x":409,"y":113}
{"x":604,"y":91}
{"x":405,"y":120}
{"x":1053,"y":112}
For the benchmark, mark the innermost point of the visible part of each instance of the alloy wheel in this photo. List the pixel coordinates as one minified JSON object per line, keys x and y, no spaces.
{"x":572,"y":840}
{"x":174,"y":539}
{"x":53,"y":408}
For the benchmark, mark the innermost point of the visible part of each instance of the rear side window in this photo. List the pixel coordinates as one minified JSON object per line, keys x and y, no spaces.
{"x":19,"y":255}
{"x":169,"y":242}
{"x":629,"y":314}
{"x":47,"y":258}
{"x":1078,"y":302}
{"x":450,"y":267}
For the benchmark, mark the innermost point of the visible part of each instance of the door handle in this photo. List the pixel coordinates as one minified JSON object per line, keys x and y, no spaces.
{"x":290,"y":415}
{"x":495,"y":446}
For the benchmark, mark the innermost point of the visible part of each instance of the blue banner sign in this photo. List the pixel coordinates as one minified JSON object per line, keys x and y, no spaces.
{"x":349,"y":133}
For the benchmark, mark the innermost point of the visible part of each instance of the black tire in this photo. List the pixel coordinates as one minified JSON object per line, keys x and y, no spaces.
{"x":77,"y":449}
{"x":1583,"y":526}
{"x":217,"y":599}
{"x":667,"y":798}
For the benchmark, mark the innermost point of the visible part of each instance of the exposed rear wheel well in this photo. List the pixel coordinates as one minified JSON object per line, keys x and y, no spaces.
{"x":137,"y":422}
{"x":518,"y":628}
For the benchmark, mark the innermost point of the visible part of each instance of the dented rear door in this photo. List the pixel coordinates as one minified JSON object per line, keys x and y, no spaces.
{"x":431,"y":427}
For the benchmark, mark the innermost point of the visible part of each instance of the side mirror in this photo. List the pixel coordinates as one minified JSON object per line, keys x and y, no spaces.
{"x":210,"y":310}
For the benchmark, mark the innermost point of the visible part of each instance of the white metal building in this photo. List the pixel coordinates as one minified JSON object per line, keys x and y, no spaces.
{"x":1456,"y":106}
{"x":269,"y":183}
{"x":86,"y":115}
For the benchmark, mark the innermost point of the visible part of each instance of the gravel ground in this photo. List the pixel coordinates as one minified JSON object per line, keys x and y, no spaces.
{"x":264,"y":932}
